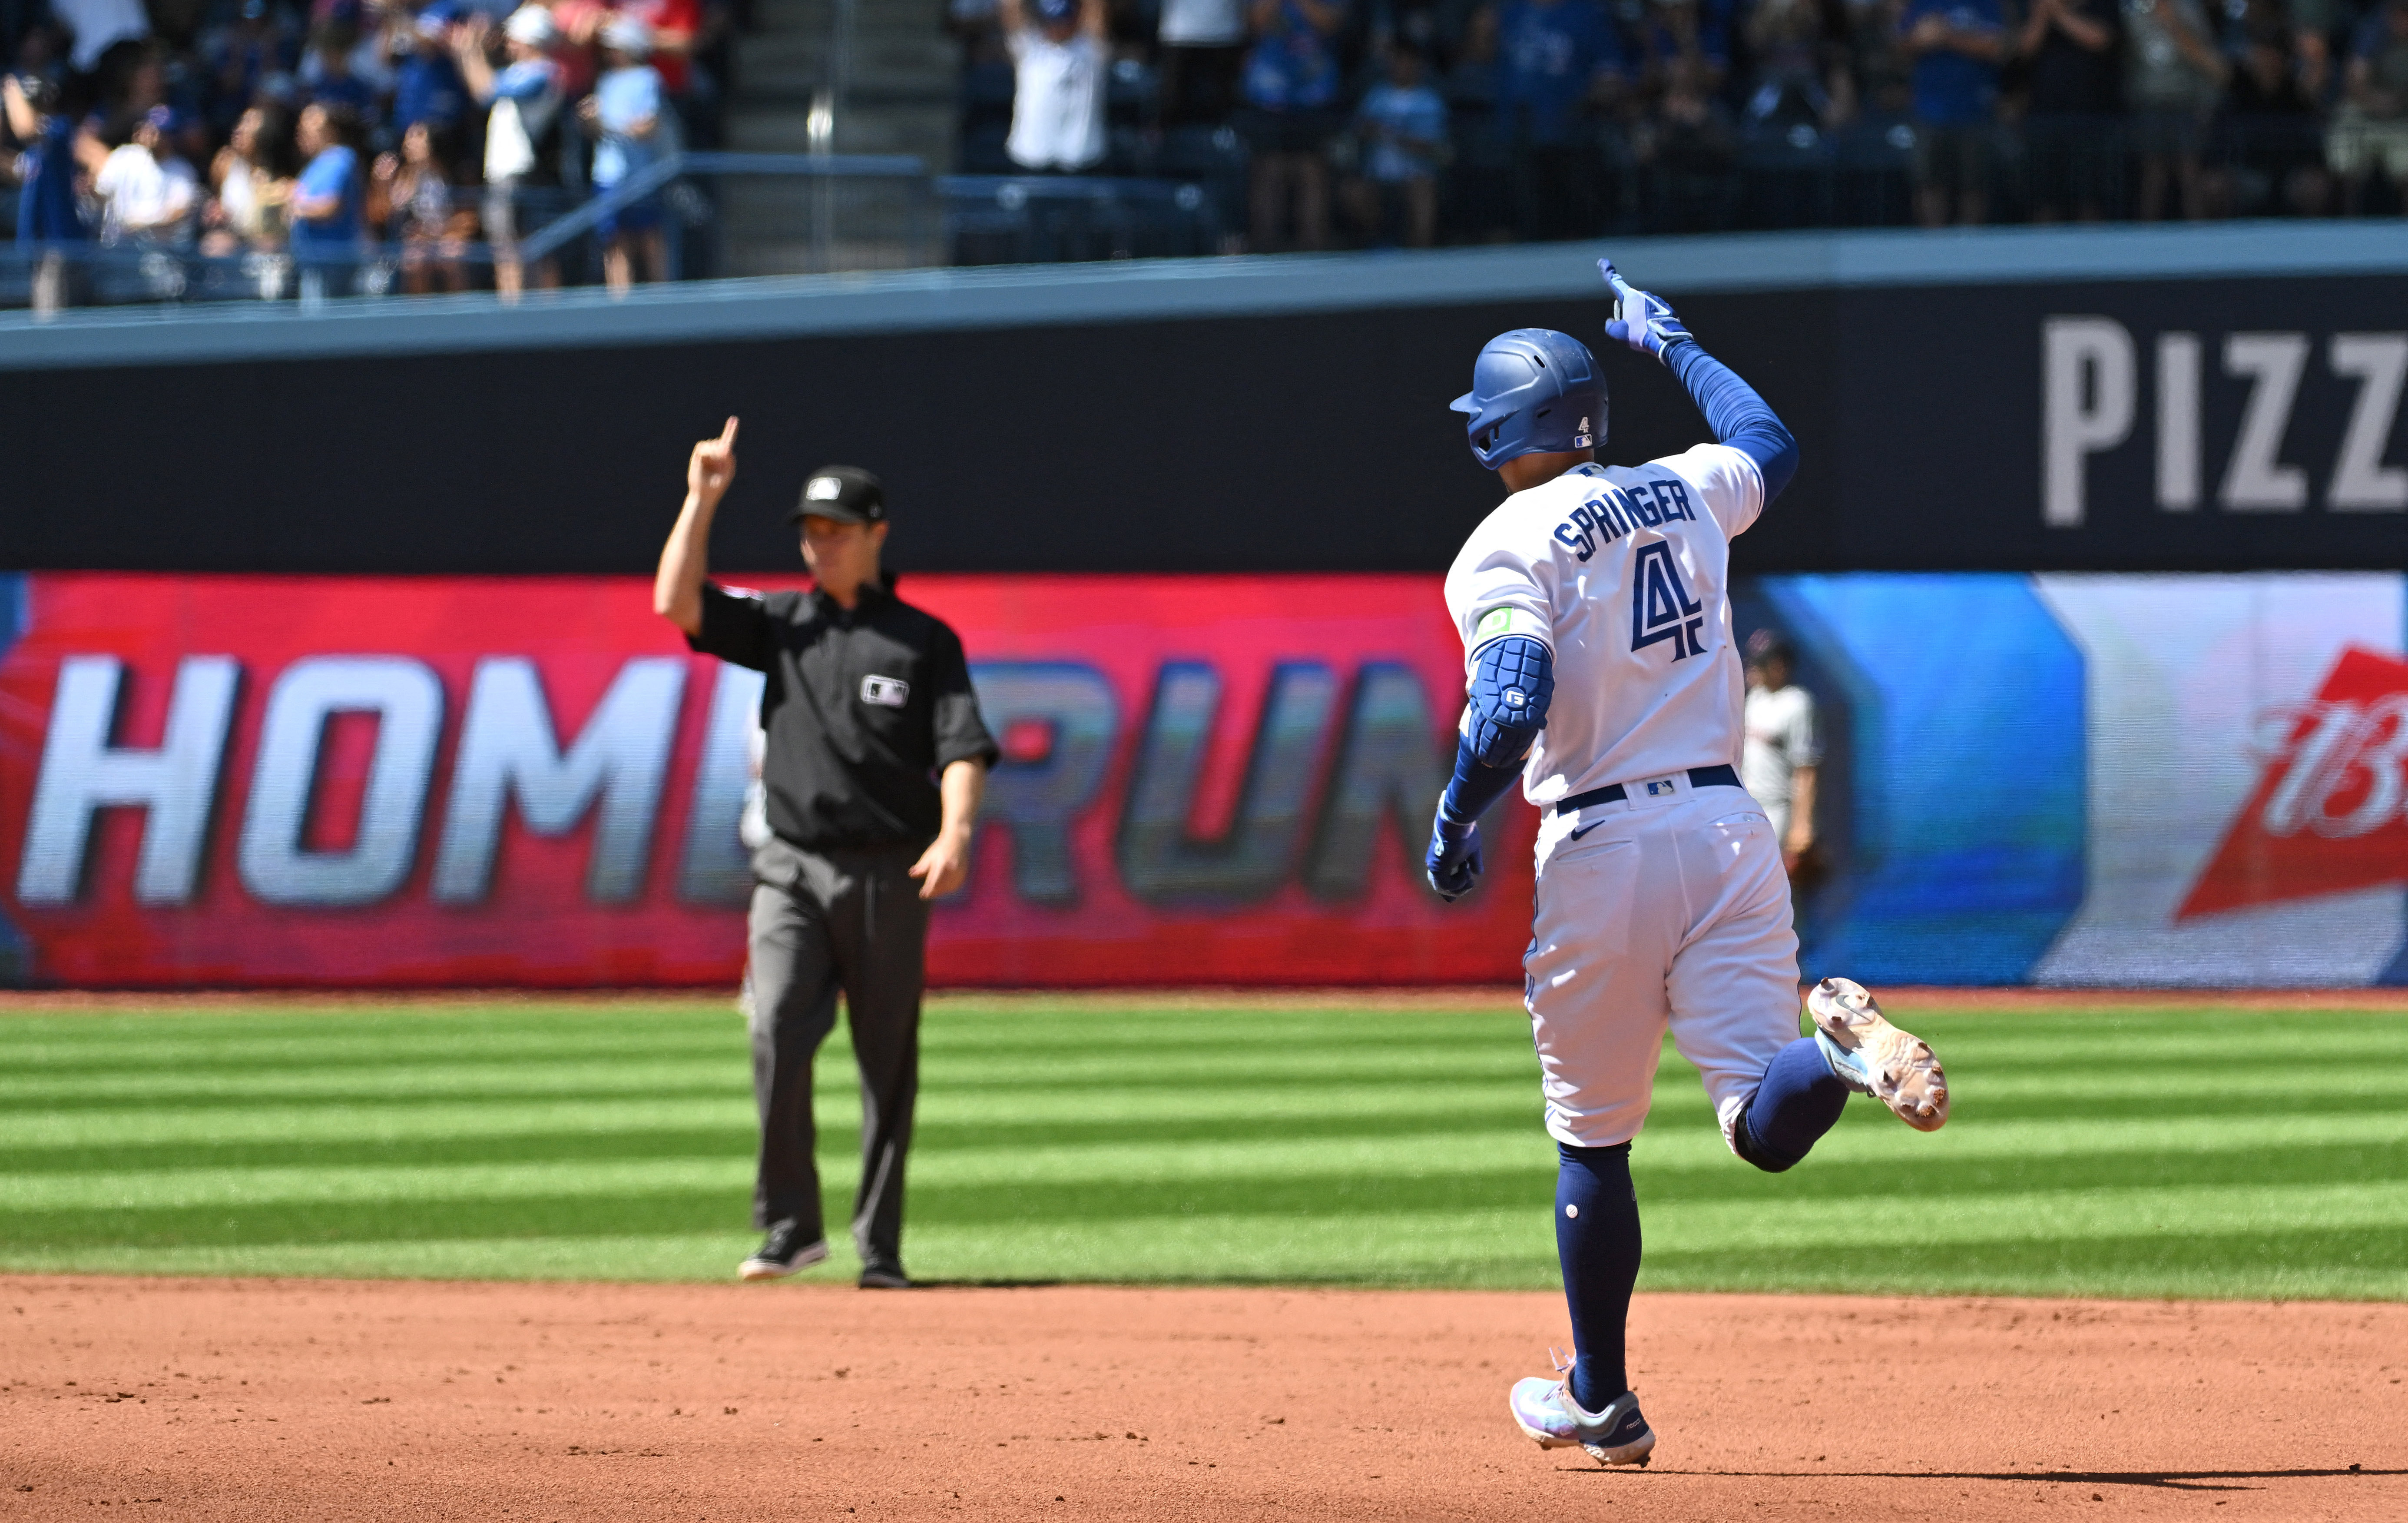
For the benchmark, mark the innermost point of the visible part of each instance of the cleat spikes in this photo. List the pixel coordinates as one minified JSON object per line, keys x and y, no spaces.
{"x":1874,"y":1058}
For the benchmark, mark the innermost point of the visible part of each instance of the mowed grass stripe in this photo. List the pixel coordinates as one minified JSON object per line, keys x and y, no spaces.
{"x":1004,"y":1067}
{"x":1203,"y":1143}
{"x":582,"y":1075}
{"x":105,"y":1137}
{"x":1493,"y":1249}
{"x":1146,"y":1091}
{"x":1089,"y":1042}
{"x":267,"y":1205}
{"x":27,"y":1132}
{"x":1664,"y":1155}
{"x":1223,"y":1176}
{"x":331,"y":1038}
{"x":28,"y":1140}
{"x":1135,"y":1107}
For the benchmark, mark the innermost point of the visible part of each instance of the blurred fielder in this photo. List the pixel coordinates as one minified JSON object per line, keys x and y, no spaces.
{"x":1599,"y":668}
{"x":1783,"y":757}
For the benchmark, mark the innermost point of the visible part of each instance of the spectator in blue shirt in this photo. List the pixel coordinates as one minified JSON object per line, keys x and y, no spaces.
{"x":1957,"y":46}
{"x":627,"y":109}
{"x":336,"y":82}
{"x":47,"y":214}
{"x":1290,"y":83}
{"x":326,"y":200}
{"x":426,"y":84}
{"x":1402,"y":123}
{"x":1554,"y":60}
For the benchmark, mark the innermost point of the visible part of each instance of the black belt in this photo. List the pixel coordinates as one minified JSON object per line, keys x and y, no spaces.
{"x":1613,"y":793}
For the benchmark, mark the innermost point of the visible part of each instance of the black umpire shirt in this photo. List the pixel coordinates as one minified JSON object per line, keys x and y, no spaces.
{"x":862,"y":709}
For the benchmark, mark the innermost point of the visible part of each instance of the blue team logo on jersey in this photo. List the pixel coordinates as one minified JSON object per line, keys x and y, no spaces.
{"x":1661,"y":608}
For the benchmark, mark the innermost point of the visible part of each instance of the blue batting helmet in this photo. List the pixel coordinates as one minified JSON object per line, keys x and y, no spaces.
{"x":1534,"y":391}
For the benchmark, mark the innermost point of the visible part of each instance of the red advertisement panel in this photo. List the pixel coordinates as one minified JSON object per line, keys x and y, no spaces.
{"x":263,"y":781}
{"x":2327,"y":815}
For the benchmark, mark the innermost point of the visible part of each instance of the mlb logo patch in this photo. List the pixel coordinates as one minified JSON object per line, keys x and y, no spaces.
{"x":885,"y":692}
{"x":1659,"y":787}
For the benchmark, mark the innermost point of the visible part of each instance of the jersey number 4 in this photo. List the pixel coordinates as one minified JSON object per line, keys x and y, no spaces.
{"x":1661,"y":608}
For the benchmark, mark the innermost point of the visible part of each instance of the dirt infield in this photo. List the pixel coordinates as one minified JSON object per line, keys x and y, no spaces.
{"x":213,"y":1399}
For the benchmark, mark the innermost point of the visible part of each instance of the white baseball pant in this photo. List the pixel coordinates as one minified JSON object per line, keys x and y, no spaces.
{"x":1655,"y":911}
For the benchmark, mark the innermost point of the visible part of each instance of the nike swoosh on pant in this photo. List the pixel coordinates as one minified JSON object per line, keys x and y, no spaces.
{"x":1584,"y":830}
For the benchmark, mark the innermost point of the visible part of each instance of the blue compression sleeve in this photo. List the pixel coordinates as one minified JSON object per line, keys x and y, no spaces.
{"x":1736,"y":414}
{"x":1476,"y":783}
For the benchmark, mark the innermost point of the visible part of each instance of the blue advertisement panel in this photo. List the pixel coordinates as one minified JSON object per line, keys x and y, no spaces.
{"x":2103,"y":780}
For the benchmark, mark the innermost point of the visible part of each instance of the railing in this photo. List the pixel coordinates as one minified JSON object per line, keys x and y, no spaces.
{"x":1051,"y":219}
{"x":889,"y":213}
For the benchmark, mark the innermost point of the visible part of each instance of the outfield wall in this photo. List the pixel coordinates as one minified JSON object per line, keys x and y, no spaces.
{"x":2055,"y":779}
{"x":2208,"y":398}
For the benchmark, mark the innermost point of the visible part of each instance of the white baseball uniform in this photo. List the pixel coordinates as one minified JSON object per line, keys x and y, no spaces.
{"x":1669,"y":906}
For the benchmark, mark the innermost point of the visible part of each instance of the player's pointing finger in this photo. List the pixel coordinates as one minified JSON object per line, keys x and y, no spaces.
{"x":727,"y":434}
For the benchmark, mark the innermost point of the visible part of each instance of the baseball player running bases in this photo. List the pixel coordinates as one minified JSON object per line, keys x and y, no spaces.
{"x":1600,"y":670}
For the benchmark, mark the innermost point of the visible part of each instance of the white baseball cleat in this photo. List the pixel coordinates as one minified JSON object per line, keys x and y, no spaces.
{"x":1874,"y":1058}
{"x":1544,"y":1410}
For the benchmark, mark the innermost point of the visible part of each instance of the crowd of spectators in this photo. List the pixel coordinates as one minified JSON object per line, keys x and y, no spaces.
{"x":1420,"y":120}
{"x":319,"y":145}
{"x":331,"y":144}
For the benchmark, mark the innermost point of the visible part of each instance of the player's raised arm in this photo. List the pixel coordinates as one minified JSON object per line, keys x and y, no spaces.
{"x":677,"y":586}
{"x":1738,"y":416}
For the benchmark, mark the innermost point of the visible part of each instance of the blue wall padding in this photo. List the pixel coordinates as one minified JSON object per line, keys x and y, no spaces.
{"x":1967,"y":773}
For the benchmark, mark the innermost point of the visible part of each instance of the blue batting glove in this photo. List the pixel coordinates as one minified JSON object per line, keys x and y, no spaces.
{"x":1452,"y":863}
{"x":1641,"y":318}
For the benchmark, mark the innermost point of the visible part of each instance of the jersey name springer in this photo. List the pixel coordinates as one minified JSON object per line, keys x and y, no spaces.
{"x":1613,"y":511}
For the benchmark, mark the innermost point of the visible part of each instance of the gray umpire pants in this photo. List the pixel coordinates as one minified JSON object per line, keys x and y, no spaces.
{"x":824,"y":923}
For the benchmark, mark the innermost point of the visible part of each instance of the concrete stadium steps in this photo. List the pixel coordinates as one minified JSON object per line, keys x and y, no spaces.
{"x":769,"y":223}
{"x":899,"y":98}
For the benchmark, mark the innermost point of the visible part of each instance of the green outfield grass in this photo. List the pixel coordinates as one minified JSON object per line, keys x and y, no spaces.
{"x":2126,"y":1152}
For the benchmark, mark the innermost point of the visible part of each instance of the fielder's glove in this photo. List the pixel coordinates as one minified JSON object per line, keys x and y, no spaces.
{"x":1452,"y":863}
{"x":1641,"y":318}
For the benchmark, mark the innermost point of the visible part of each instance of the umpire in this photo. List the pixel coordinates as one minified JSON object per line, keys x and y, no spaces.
{"x":875,"y":762}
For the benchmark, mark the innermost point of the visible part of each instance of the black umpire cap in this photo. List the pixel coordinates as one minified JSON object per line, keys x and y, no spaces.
{"x":846,"y":494}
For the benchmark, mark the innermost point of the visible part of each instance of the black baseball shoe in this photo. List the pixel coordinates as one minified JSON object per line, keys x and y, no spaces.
{"x":784,"y":1254}
{"x":884,"y":1274}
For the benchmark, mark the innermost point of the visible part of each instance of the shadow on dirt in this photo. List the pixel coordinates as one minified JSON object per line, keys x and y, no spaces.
{"x":2171,"y":1480}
